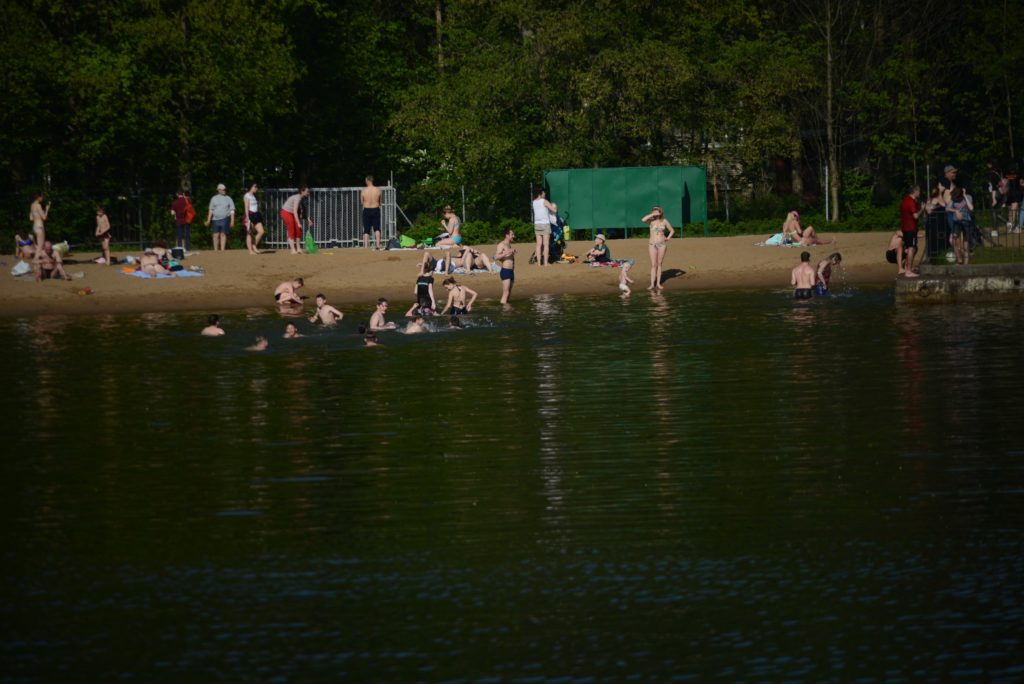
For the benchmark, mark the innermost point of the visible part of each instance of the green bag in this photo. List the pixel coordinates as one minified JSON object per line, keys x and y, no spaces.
{"x":406,"y":241}
{"x":311,"y":247}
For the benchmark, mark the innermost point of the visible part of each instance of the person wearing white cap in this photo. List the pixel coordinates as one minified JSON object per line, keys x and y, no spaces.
{"x":600,"y":252}
{"x":222,"y":215}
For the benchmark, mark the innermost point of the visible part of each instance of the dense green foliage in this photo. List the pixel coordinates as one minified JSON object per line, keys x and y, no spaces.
{"x":123,"y":101}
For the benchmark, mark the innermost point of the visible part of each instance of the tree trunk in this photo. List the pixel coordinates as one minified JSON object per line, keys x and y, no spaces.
{"x":184,"y":129}
{"x":833,"y":161}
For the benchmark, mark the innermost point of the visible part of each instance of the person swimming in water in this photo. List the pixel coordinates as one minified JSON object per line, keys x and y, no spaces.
{"x":212,"y":328}
{"x":325,"y":313}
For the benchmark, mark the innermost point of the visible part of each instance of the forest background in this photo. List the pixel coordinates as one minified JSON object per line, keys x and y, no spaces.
{"x":121,"y":102}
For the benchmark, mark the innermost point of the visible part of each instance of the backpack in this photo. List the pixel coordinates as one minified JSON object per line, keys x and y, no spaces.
{"x":190,"y":212}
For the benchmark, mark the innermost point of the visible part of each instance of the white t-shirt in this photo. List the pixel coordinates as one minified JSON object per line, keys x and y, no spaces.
{"x":291,"y":205}
{"x":541,"y":215}
{"x":251,"y":202}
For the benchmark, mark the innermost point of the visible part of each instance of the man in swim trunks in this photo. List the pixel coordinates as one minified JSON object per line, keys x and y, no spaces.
{"x":803,"y":278}
{"x":370,"y":197}
{"x":287,"y":293}
{"x":49,"y":263}
{"x":221,"y":214}
{"x":505,"y":256}
{"x":325,"y":313}
{"x":212,"y":328}
{"x":457,"y":298}
{"x":292,"y":221}
{"x":377,"y":321}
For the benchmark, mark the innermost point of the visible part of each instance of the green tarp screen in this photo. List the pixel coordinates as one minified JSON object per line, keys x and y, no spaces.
{"x":602,"y":199}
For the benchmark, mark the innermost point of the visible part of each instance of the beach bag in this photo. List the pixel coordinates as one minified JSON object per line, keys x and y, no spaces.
{"x":311,"y":247}
{"x":21,"y":268}
{"x":393,"y":244}
{"x":190,"y":211}
{"x":406,"y":241}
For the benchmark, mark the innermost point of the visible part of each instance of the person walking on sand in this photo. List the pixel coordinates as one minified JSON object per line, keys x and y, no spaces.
{"x":221,"y":214}
{"x":658,"y":243}
{"x":377,"y":321}
{"x":370,"y":197}
{"x":252,"y":220}
{"x":505,"y":257}
{"x":183,"y":213}
{"x":542,"y":211}
{"x":802,"y":278}
{"x":103,"y":233}
{"x":38,"y":216}
{"x":292,"y":221}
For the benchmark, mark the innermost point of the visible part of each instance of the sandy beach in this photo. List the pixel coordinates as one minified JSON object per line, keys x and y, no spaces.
{"x":349,"y":277}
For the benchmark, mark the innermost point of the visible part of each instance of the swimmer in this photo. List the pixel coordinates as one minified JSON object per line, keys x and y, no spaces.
{"x":291,"y":332}
{"x":325,"y":313}
{"x":454,"y":322}
{"x":421,"y":308}
{"x":288,"y":292}
{"x":370,"y":340}
{"x":824,"y":273}
{"x":802,"y":278}
{"x":260,"y":344}
{"x":624,"y":277}
{"x":377,"y":321}
{"x":212,"y":328}
{"x":457,"y":298}
{"x":417,"y":326}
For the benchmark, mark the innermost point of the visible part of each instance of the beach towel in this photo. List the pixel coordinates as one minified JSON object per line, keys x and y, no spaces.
{"x":21,"y":268}
{"x":775,"y":241}
{"x":163,"y":276}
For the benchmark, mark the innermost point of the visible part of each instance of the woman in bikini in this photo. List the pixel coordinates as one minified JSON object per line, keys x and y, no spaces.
{"x":658,"y":244}
{"x":253,"y":220}
{"x":24,"y":246}
{"x":792,"y":233}
{"x":457,"y":298}
{"x":452,"y":226}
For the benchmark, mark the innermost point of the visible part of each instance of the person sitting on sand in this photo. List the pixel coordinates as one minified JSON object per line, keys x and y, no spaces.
{"x":599,"y":253}
{"x":287,"y":293}
{"x":212,"y":328}
{"x":417,"y":326}
{"x":24,"y":247}
{"x":472,"y":259}
{"x":260,"y":344}
{"x":150,"y":264}
{"x":792,"y":233}
{"x":824,"y":273}
{"x":291,"y":332}
{"x":325,"y":313}
{"x":624,"y":277}
{"x":802,"y":278}
{"x":451,"y":225}
{"x":420,"y":308}
{"x":49,"y":263}
{"x":457,"y":298}
{"x":377,"y":321}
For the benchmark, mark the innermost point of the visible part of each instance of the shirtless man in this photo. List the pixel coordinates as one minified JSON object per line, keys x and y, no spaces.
{"x":103,"y":233}
{"x":457,"y":298}
{"x":417,"y":326}
{"x":803,"y":278}
{"x":287,"y":293}
{"x":369,"y":197}
{"x":49,"y":264}
{"x":291,"y":332}
{"x":377,"y":321}
{"x":325,"y":313}
{"x":150,"y":264}
{"x":505,"y":256}
{"x":38,"y":216}
{"x":212,"y":328}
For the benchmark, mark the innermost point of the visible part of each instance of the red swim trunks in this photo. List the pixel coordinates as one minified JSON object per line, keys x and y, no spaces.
{"x":291,"y":225}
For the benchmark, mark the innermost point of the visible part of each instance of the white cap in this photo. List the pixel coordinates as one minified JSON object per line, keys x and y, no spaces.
{"x":221,"y":186}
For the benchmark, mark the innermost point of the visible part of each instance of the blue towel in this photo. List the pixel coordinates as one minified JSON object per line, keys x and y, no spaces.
{"x":163,"y":276}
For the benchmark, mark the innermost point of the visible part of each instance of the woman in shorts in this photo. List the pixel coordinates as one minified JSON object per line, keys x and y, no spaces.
{"x":253,"y":220}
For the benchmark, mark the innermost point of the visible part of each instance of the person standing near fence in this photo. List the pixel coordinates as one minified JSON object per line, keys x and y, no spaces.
{"x":542,"y":211}
{"x":183,"y":214}
{"x":38,"y":216}
{"x":910,"y":211}
{"x":103,"y":234}
{"x":222,"y":215}
{"x":370,"y":197}
{"x":293,"y":221}
{"x":253,"y":220}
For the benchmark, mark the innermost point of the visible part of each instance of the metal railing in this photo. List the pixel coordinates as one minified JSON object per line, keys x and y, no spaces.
{"x":336,"y":213}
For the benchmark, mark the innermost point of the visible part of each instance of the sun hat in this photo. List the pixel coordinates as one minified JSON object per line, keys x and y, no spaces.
{"x":600,"y":236}
{"x":949,"y":167}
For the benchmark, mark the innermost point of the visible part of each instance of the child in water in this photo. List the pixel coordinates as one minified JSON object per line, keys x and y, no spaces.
{"x":624,"y":277}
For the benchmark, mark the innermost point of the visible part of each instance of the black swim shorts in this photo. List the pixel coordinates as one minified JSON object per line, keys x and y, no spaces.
{"x":458,"y":311}
{"x":909,"y":240}
{"x":803,"y":293}
{"x":371,"y":220}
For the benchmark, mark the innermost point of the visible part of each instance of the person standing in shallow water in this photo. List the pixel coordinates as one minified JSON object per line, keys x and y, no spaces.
{"x":802,"y":278}
{"x":824,"y":273}
{"x":505,"y":257}
{"x":658,"y":244}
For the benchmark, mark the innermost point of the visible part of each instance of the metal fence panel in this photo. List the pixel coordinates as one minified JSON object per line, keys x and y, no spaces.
{"x":336,"y":213}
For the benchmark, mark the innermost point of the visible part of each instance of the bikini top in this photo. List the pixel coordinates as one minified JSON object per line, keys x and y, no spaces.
{"x":24,"y":243}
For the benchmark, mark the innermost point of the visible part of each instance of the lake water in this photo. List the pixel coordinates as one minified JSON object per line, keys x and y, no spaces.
{"x":694,"y":486}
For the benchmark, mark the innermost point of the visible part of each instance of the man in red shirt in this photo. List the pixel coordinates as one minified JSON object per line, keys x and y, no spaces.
{"x":910,"y":211}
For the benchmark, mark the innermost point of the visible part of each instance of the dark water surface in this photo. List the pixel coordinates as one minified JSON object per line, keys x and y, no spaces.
{"x":697,"y":486}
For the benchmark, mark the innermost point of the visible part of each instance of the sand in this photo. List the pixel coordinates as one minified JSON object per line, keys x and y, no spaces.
{"x":353,"y":278}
